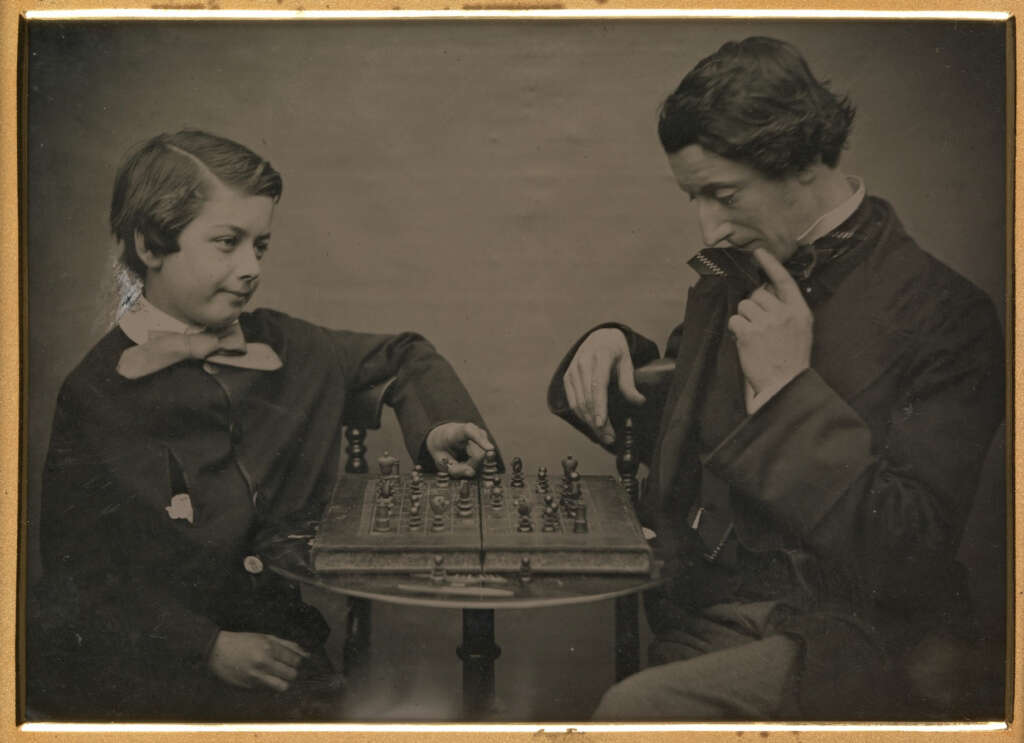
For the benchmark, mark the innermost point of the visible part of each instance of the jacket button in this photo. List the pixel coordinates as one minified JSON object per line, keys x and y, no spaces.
{"x":235,"y":431}
{"x":210,"y":368}
{"x":253,"y":564}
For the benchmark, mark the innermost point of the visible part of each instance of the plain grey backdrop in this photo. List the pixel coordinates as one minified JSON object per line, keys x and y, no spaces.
{"x":495,"y":185}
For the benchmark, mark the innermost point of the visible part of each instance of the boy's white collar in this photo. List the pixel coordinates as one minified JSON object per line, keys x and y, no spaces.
{"x":143,"y":318}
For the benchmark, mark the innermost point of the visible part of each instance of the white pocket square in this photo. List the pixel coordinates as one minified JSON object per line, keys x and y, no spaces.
{"x":181,"y":508}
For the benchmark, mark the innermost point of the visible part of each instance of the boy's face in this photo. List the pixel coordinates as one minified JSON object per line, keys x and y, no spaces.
{"x":209,"y":280}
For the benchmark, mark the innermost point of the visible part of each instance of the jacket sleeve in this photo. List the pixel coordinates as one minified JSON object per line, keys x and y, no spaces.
{"x":889,"y":508}
{"x":104,"y":597}
{"x":426,"y":392}
{"x":645,"y":418}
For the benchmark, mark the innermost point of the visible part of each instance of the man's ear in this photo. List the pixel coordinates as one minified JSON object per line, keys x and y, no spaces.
{"x":808,"y":175}
{"x":150,"y":260}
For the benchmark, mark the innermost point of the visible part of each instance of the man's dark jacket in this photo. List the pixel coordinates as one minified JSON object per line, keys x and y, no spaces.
{"x":850,"y":488}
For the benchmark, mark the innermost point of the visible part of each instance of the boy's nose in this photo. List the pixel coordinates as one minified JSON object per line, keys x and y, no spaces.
{"x":248,"y":262}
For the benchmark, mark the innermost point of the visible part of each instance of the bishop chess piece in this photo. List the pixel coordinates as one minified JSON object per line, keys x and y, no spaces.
{"x":517,"y":473}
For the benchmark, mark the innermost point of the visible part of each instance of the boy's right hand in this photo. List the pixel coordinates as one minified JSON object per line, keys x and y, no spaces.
{"x":251,"y":659}
{"x":602,"y":354}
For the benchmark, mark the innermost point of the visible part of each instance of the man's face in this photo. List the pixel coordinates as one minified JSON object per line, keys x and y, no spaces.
{"x":737,"y":205}
{"x":212,"y":276}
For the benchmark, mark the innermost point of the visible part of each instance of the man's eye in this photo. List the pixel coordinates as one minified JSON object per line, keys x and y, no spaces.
{"x":727,"y":199}
{"x":226,"y":241}
{"x":261,"y":249}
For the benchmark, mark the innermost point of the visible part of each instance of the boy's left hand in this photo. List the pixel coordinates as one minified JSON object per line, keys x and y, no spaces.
{"x":462,"y":444}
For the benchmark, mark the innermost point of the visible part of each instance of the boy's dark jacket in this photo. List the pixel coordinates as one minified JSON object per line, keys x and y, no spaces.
{"x":132,"y":599}
{"x":857,"y":477}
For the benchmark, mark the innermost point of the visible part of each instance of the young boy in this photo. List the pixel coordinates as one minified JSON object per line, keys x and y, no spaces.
{"x":186,"y":435}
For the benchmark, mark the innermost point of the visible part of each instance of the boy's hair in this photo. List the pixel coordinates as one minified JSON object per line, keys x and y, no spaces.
{"x":162,"y":185}
{"x":756,"y":102}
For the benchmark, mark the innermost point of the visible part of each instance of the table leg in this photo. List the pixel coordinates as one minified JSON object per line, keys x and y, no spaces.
{"x":356,"y":653}
{"x":478,"y":653}
{"x":627,"y":636}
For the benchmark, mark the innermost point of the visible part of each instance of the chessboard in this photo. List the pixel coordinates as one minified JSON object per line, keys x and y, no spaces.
{"x":496,"y":523}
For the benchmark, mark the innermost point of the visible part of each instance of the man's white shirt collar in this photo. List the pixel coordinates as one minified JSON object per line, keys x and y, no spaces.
{"x":835,"y":217}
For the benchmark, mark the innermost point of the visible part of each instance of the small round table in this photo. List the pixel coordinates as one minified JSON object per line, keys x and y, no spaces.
{"x":478,"y":602}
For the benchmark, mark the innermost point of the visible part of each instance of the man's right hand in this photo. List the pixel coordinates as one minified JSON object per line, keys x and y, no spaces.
{"x":604,"y":354}
{"x":250,"y":660}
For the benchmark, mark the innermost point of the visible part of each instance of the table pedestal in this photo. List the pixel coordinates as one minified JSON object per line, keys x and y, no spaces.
{"x":478,"y":653}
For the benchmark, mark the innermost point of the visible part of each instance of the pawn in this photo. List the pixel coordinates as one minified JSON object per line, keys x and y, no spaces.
{"x":550,"y":519}
{"x":416,"y":484}
{"x":542,"y":480}
{"x":497,"y":496}
{"x":569,"y":465}
{"x":388,"y":464}
{"x":464,"y":505}
{"x":489,"y":472}
{"x":517,"y":473}
{"x":580,"y":525}
{"x":575,"y":485}
{"x":443,"y":478}
{"x":437,"y":573}
{"x":415,"y":517}
{"x":438,"y":505}
{"x":525,"y":524}
{"x":525,"y":572}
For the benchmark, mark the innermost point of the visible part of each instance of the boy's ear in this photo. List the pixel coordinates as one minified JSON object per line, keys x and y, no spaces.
{"x":150,"y":260}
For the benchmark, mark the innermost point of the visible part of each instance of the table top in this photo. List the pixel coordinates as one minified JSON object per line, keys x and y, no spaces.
{"x":291,"y":560}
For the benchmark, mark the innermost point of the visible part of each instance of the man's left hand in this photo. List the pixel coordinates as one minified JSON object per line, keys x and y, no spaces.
{"x":462,"y":444}
{"x":773,"y":329}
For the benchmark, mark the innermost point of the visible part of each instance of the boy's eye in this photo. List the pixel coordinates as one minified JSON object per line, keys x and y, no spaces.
{"x":227,"y":241}
{"x":726,"y":199}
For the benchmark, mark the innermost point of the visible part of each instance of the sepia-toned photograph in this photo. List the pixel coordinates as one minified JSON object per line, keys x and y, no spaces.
{"x":634,"y":370}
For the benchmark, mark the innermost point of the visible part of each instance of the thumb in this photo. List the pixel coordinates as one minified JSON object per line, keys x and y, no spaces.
{"x":627,"y":384}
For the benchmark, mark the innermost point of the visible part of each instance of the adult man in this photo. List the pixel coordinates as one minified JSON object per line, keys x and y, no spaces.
{"x":813,"y":460}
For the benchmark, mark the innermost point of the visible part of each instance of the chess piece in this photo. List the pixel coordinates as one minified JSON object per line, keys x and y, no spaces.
{"x":438,"y":505}
{"x":355,"y":463}
{"x":464,"y":504}
{"x":438,"y":574}
{"x":525,"y":572}
{"x":569,"y":465}
{"x":525,"y":524}
{"x":416,"y":484}
{"x":381,"y":517}
{"x":490,"y":469}
{"x":580,"y":525}
{"x":542,"y":480}
{"x":415,"y":517}
{"x":497,"y":496}
{"x":443,"y":478}
{"x":517,"y":473}
{"x":550,"y":519}
{"x":388,"y":464}
{"x":627,"y":463}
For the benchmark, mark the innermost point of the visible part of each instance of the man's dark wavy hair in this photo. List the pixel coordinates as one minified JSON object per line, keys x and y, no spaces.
{"x":756,"y":102}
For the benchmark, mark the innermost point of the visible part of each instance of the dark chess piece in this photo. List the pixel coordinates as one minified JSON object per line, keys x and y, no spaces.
{"x":355,"y":462}
{"x":542,"y":480}
{"x":388,"y":464}
{"x":626,"y":462}
{"x":525,"y":572}
{"x":525,"y":524}
{"x":550,"y":519}
{"x":438,"y":574}
{"x":517,"y":473}
{"x":580,"y":525}
{"x":489,"y":471}
{"x":443,"y":478}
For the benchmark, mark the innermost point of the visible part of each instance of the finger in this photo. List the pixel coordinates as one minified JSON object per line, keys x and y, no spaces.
{"x":460,"y":469}
{"x":478,"y":436}
{"x":270,"y":681}
{"x":475,"y":455}
{"x":289,"y":645}
{"x":785,"y":287}
{"x":572,"y":392}
{"x":600,"y":377}
{"x":606,"y":433}
{"x":286,"y":655}
{"x":277,"y":669}
{"x":765,"y":299}
{"x":586,"y":377}
{"x":627,"y":382}
{"x":739,"y":325}
{"x":749,"y":310}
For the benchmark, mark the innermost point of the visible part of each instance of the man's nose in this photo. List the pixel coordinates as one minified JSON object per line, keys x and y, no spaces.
{"x":714,"y":228}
